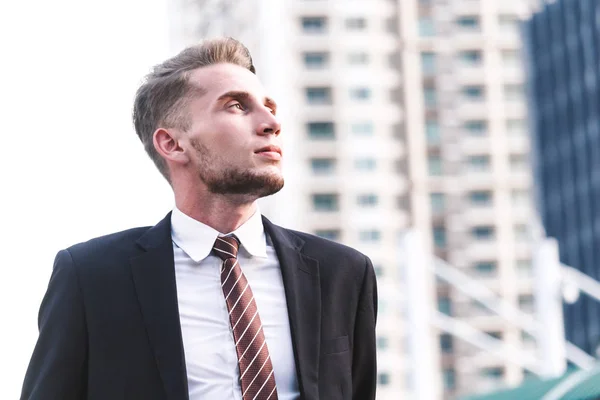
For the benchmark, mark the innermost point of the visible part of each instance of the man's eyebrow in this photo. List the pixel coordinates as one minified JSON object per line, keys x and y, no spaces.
{"x":241,"y":95}
{"x":235,"y":94}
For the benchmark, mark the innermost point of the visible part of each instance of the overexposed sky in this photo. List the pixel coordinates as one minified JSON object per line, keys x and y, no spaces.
{"x":71,"y":166}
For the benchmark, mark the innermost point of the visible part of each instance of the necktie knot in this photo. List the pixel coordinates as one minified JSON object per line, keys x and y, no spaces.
{"x":226,"y":247}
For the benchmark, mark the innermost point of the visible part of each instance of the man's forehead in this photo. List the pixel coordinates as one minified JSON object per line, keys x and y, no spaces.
{"x":222,"y":78}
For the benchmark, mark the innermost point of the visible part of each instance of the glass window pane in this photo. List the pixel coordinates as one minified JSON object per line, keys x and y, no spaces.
{"x":473,"y":92}
{"x":434,"y":165}
{"x":439,"y":236}
{"x":469,"y":22}
{"x":426,"y":27}
{"x":367,"y":200}
{"x":479,"y":163}
{"x":316,"y":60}
{"x":428,"y":63}
{"x":362,"y":128}
{"x":480,"y":198}
{"x":430,"y":96}
{"x":432,"y":132}
{"x":356,"y":24}
{"x":321,"y":130}
{"x":314,"y":24}
{"x":331,"y":234}
{"x":471,"y":57}
{"x":365,"y":164}
{"x":358,"y":58}
{"x":360,"y":93}
{"x":483,"y":232}
{"x":325,"y":202}
{"x":318,"y":95}
{"x":476,"y":127}
{"x":322,"y":166}
{"x":444,"y":305}
{"x":438,"y":202}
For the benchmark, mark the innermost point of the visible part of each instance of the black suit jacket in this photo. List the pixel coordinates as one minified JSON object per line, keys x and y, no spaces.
{"x":109,"y":322}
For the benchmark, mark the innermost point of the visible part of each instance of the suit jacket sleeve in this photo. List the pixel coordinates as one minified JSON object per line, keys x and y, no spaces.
{"x":364,"y":360}
{"x":57,"y":369}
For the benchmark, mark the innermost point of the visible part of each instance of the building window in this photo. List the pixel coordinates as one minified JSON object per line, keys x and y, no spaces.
{"x":438,"y":202}
{"x":526,"y":302}
{"x":439,"y":236}
{"x":426,"y":27}
{"x":432,"y":132}
{"x":516,"y":127}
{"x":495,"y":334}
{"x":522,"y":232}
{"x":473,"y":92}
{"x":511,"y":58}
{"x":314,"y":24}
{"x":318,"y":95}
{"x":508,"y":23}
{"x":526,"y":337}
{"x":378,"y":270}
{"x":494,"y":373}
{"x":365,"y":164}
{"x":485,"y":268}
{"x":514,"y":92}
{"x":321,"y":130}
{"x":524,"y":268}
{"x":367,"y":200}
{"x":483,"y":232}
{"x":446,"y":343}
{"x":449,"y":379}
{"x":444,"y":305}
{"x":476,"y":127}
{"x":322,"y":166}
{"x":356,"y":24}
{"x":479,"y":163}
{"x":430,"y":96}
{"x":428,"y":63}
{"x":383,"y":379}
{"x":362,"y":128}
{"x":358,"y":58}
{"x":316,"y":60}
{"x":369,"y":236}
{"x":519,"y":162}
{"x":471,"y":58}
{"x":434,"y":165}
{"x":360,"y":93}
{"x":382,"y":342}
{"x":480,"y":198}
{"x":468,"y":22}
{"x":331,"y":234}
{"x":325,"y":202}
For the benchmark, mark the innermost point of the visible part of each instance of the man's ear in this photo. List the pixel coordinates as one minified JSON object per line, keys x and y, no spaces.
{"x":166,"y":143}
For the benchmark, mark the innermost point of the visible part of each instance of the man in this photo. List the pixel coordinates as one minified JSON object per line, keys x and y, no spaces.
{"x":215,"y":301}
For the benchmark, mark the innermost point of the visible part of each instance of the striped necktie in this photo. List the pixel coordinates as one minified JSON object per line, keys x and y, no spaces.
{"x":256,"y":371}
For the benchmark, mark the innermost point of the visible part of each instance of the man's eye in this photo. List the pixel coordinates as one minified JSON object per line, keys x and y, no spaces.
{"x":238,"y":106}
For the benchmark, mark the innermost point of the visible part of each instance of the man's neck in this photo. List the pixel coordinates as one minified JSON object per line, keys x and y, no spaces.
{"x":219,"y":212}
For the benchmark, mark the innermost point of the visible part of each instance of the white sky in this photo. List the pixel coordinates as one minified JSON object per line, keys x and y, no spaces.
{"x":71,"y":166}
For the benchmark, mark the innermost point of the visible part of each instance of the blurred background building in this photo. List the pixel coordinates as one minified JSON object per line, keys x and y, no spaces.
{"x":564,"y":55}
{"x":405,"y":114}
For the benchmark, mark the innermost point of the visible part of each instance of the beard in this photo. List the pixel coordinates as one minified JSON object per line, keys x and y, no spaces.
{"x":220,"y":177}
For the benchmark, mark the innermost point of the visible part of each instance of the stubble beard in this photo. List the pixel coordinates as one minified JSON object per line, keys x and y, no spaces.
{"x":231,"y":180}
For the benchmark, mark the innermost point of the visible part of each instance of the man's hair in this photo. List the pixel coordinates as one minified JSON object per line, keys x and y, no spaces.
{"x":161,"y":100}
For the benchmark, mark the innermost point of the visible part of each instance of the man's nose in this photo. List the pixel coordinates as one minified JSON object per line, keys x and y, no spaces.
{"x":270,"y":125}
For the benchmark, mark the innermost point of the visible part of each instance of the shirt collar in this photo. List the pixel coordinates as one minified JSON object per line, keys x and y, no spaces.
{"x":196,"y":239}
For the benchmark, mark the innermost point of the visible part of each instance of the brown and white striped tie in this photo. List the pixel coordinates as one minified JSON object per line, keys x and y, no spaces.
{"x":256,"y":371}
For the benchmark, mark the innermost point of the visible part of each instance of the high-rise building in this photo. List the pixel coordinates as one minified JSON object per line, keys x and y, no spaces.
{"x":466,"y":124}
{"x":563,"y":57}
{"x":404,"y":113}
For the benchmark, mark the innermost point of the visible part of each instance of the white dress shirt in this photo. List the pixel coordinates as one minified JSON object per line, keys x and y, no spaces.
{"x":210,"y":355}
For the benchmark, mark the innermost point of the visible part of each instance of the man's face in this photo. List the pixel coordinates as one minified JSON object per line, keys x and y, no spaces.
{"x":233,"y":137}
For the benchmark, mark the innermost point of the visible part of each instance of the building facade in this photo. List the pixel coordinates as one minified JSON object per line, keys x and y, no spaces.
{"x":563,"y":58}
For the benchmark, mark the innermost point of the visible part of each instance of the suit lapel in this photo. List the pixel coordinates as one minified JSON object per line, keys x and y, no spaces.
{"x":154,"y":278}
{"x":303,"y":294}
